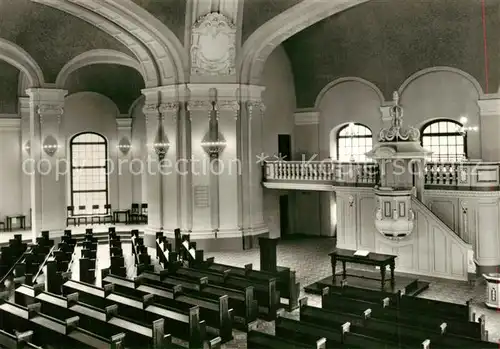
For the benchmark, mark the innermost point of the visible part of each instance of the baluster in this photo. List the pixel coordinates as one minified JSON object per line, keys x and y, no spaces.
{"x":280,"y":170}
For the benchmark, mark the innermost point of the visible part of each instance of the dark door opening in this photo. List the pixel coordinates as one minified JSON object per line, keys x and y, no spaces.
{"x":285,"y":147}
{"x":284,"y":221}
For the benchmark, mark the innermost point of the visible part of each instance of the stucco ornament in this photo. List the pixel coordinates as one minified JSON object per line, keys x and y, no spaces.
{"x":213,"y":50}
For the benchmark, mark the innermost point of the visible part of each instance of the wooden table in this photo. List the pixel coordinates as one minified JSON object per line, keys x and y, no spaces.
{"x":375,"y":259}
{"x":20,"y":217}
{"x":117,"y":213}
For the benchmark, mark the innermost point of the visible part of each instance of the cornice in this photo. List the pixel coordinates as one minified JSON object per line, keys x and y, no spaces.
{"x":10,"y":123}
{"x":124,"y":123}
{"x":458,"y":194}
{"x":386,"y":112}
{"x":306,"y":117}
{"x":298,"y":186}
{"x":489,"y":107}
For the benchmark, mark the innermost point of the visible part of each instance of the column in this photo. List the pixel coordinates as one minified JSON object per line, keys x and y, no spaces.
{"x":200,"y":108}
{"x":123,"y":166}
{"x":154,"y":192}
{"x":24,"y":113}
{"x":48,"y":153}
{"x":489,"y":111}
{"x":162,"y":109}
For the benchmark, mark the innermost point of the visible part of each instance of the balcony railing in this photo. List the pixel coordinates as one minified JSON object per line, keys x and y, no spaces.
{"x":471,"y":175}
{"x":333,"y":172}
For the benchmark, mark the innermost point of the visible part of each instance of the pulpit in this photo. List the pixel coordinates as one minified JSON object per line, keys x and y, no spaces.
{"x":492,"y":290}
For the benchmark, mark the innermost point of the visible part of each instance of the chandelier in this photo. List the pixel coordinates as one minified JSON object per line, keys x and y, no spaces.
{"x":396,"y":132}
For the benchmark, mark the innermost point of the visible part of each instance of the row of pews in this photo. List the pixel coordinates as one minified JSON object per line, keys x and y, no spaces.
{"x":189,"y":300}
{"x":358,"y":318}
{"x":10,"y":254}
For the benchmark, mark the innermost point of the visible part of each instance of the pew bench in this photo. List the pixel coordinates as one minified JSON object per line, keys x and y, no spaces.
{"x":240,"y":300}
{"x":265,"y":291}
{"x":213,"y":309}
{"x":286,"y":283}
{"x":260,"y":340}
{"x":413,"y":317}
{"x":181,"y":320}
{"x":17,"y":340}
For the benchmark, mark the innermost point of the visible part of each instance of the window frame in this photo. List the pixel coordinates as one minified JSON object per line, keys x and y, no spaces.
{"x":339,"y":136}
{"x":72,"y":168}
{"x":444,"y":134}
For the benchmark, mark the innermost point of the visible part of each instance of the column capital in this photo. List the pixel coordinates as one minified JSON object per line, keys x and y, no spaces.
{"x":489,"y":107}
{"x":306,"y":117}
{"x":169,"y":107}
{"x":200,"y":105}
{"x":124,"y":124}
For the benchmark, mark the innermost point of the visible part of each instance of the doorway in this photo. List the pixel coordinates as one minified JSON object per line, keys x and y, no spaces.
{"x":284,"y":218}
{"x":285,"y":147}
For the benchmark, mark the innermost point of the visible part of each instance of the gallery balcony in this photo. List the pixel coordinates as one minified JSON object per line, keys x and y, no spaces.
{"x":328,"y":174}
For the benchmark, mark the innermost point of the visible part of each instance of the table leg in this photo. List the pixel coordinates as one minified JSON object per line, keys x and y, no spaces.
{"x":334,"y":267}
{"x":392,"y":265}
{"x":344,"y":271}
{"x":382,"y":274}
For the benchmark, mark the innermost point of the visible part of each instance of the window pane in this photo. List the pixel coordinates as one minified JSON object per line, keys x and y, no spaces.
{"x":89,"y":180}
{"x":444,"y":140}
{"x":353,"y":141}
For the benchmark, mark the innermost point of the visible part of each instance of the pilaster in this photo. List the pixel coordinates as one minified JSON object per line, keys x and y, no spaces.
{"x":124,"y":156}
{"x":489,"y":111}
{"x":24,"y":114}
{"x":49,"y":175}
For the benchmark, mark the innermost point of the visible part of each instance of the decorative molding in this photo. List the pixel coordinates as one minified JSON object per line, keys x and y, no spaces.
{"x":99,"y":56}
{"x":308,"y":117}
{"x":150,"y":109}
{"x":461,"y":194}
{"x":199,"y":105}
{"x":298,"y":186}
{"x":386,"y":112}
{"x":19,"y":58}
{"x":169,"y":107}
{"x":228,"y":105}
{"x":213,"y":45}
{"x":124,"y":124}
{"x":271,"y":34}
{"x":489,"y":107}
{"x":10,"y":124}
{"x":339,"y":81}
{"x":431,"y":70}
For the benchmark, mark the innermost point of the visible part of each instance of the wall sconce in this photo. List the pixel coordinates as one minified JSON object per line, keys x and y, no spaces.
{"x":27,"y":147}
{"x":124,"y":145}
{"x":464,"y":129}
{"x":161,"y":143}
{"x":213,"y":143}
{"x":50,"y":145}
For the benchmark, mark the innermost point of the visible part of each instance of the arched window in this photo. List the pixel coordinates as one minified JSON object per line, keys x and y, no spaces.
{"x":446,"y":140}
{"x":89,"y":173}
{"x":353,"y":142}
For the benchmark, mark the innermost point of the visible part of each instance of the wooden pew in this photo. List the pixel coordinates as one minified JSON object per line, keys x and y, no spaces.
{"x":240,"y":300}
{"x":142,"y":260}
{"x":213,"y":309}
{"x":266,"y":294}
{"x":181,"y":321}
{"x":19,"y":340}
{"x":260,"y":340}
{"x":432,"y":321}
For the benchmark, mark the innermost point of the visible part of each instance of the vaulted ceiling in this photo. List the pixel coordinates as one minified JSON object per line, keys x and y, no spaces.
{"x":383,"y":41}
{"x":386,"y":41}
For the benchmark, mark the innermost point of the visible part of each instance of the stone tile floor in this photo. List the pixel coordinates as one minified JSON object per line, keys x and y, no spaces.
{"x":309,"y":258}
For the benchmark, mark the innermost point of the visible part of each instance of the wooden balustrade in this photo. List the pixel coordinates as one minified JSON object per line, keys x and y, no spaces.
{"x":471,"y":175}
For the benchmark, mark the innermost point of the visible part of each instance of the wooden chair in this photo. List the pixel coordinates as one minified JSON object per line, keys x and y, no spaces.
{"x":144,"y":213}
{"x":96,"y":217}
{"x":108,"y":215}
{"x":81,"y":218}
{"x":135,"y":214}
{"x":70,"y":215}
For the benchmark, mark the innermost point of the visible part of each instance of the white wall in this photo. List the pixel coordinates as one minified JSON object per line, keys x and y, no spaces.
{"x":10,"y":169}
{"x":279,"y":99}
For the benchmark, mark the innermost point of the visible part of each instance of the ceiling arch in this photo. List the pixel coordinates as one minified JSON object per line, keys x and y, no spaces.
{"x":167,"y":51}
{"x":265,"y":39}
{"x":161,"y":60}
{"x":101,"y":56}
{"x":19,"y":58}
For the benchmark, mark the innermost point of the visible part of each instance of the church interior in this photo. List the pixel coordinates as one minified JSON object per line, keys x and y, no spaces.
{"x":249,"y":174}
